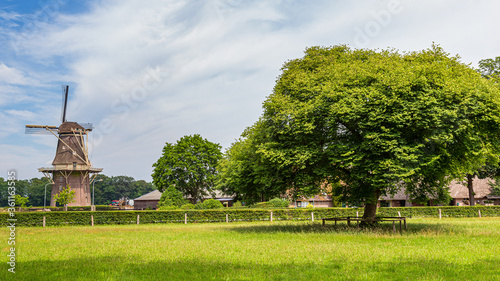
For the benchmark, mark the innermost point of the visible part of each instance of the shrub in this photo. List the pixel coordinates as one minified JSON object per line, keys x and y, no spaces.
{"x":278,"y":203}
{"x":199,"y":206}
{"x":212,"y":204}
{"x":171,"y":197}
{"x":237,"y":204}
{"x":187,"y":206}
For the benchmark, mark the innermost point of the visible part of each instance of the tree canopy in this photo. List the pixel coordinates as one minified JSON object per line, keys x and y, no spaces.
{"x":188,"y":165}
{"x":378,"y":121}
{"x":65,"y":196}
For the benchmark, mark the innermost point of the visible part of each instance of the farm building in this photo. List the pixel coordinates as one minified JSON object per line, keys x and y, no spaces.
{"x":150,"y":200}
{"x":318,"y":201}
{"x":458,"y":191}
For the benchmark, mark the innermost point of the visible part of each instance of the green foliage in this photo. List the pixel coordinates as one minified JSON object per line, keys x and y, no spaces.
{"x":65,"y":196}
{"x":379,"y":121}
{"x":169,"y":207}
{"x":21,"y":201}
{"x":171,"y":198}
{"x":212,"y":204}
{"x":495,"y":186}
{"x":490,"y":68}
{"x":279,"y":203}
{"x":237,"y":204}
{"x":219,"y":215}
{"x":189,"y":165}
{"x":117,"y":187}
{"x":245,"y":172}
{"x":187,"y":206}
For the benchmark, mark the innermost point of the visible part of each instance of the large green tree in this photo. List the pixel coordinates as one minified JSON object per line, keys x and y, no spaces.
{"x":245,"y":173}
{"x":188,"y":165}
{"x":380,"y":121}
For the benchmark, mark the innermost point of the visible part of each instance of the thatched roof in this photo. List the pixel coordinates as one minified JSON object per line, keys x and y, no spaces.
{"x":481,"y":188}
{"x":156,"y":195}
{"x":153,"y":195}
{"x":457,"y":190}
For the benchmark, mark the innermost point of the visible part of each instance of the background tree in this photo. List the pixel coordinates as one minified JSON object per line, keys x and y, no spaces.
{"x":380,"y":121}
{"x":117,"y":187}
{"x":21,"y":201}
{"x":189,"y":166}
{"x":65,"y":196}
{"x":490,"y":68}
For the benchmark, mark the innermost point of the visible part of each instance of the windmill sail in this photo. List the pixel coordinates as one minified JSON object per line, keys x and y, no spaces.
{"x":65,"y":102}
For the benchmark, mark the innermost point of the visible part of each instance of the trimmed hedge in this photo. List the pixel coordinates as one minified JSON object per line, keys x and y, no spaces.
{"x":219,"y":215}
{"x":70,"y":209}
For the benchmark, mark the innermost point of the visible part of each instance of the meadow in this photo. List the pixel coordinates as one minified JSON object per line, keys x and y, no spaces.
{"x":431,"y":249}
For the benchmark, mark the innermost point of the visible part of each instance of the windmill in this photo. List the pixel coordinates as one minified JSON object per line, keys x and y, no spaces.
{"x":71,"y":165}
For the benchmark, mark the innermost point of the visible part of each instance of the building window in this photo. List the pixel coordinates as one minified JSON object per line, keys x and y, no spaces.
{"x":74,"y":165}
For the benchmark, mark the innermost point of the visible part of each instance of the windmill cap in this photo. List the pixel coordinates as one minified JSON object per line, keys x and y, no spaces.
{"x":69,"y":127}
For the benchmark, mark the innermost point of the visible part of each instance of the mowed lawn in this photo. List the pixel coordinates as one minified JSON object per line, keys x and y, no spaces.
{"x":431,"y":249}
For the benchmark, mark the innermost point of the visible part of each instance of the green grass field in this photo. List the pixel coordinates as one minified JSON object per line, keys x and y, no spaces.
{"x":431,"y":249}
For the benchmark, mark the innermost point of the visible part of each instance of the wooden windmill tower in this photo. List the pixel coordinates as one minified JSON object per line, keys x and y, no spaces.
{"x":71,"y":165}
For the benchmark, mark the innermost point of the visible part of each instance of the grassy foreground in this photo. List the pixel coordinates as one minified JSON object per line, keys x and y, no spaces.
{"x":431,"y":249}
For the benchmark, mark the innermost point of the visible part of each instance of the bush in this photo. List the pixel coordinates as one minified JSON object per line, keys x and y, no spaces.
{"x":237,"y":204}
{"x":278,"y":203}
{"x":171,"y":197}
{"x":212,"y":204}
{"x":187,"y":206}
{"x":199,"y":206}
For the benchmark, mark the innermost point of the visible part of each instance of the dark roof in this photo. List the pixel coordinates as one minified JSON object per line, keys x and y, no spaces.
{"x":68,"y":127}
{"x":65,"y":152}
{"x":153,"y":195}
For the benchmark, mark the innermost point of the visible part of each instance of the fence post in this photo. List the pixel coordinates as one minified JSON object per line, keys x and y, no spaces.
{"x":92,"y":219}
{"x":312,"y":216}
{"x":357,"y":214}
{"x":185,"y":218}
{"x":439,"y":213}
{"x":227,"y":218}
{"x":479,"y":211}
{"x":399,"y":214}
{"x":138,"y":219}
{"x":271,"y":215}
{"x":43,"y":221}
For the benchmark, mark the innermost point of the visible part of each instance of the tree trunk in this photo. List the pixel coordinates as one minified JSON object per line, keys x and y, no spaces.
{"x":470,"y":187}
{"x":65,"y":207}
{"x":371,"y":207}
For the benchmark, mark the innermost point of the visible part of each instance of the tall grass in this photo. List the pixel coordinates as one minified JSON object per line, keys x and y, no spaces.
{"x":431,"y":249}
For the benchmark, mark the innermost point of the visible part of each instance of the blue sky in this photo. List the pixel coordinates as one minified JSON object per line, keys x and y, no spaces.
{"x":149,"y":72}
